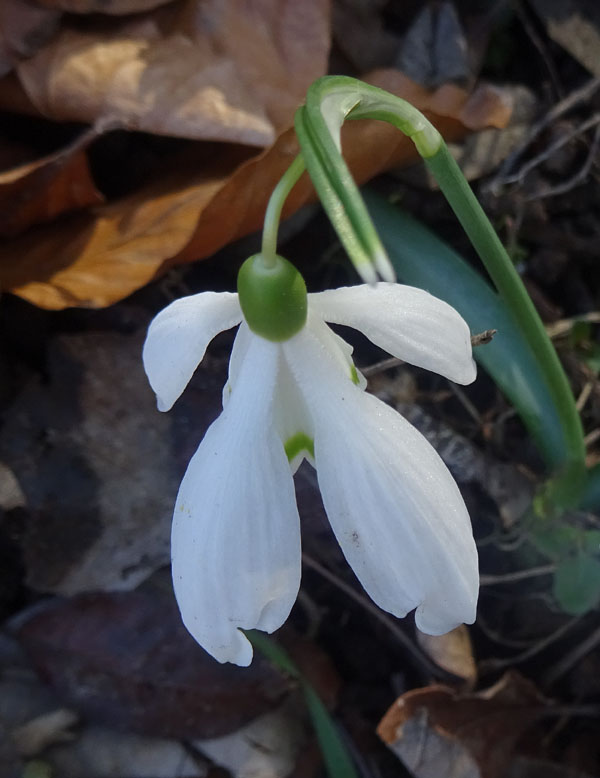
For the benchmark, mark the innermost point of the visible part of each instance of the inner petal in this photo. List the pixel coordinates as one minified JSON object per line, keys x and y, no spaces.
{"x":292,"y":419}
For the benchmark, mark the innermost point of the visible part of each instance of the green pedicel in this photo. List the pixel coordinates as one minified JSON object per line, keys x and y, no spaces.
{"x":272,"y":297}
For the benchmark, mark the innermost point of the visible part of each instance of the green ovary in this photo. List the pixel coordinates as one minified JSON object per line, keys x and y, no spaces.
{"x":297,"y":444}
{"x":273,"y":297}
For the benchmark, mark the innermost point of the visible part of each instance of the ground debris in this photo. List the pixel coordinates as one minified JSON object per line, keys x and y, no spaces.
{"x":438,"y":731}
{"x":163,"y":684}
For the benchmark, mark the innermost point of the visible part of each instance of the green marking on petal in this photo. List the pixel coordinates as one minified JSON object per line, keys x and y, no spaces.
{"x":354,"y":375}
{"x":298,"y":443}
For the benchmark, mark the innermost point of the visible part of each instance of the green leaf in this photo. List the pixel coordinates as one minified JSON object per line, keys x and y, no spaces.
{"x":556,"y":541}
{"x":37,"y":769}
{"x":421,"y":259}
{"x":337,"y":759}
{"x":561,"y":540}
{"x":593,"y":361}
{"x":591,"y":542}
{"x":590,"y":499}
{"x":577,"y":584}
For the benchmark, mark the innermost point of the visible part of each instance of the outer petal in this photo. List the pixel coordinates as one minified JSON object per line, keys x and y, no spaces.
{"x":393,"y":505}
{"x":236,"y":534}
{"x":177,"y":340}
{"x":407,"y":322}
{"x":240,"y":346}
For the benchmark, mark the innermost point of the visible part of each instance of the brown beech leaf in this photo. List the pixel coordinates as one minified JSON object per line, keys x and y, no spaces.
{"x":116,"y":7}
{"x":453,"y":652}
{"x":439,"y":731}
{"x":42,"y":190}
{"x":223,"y":70}
{"x":24,"y":27}
{"x":126,"y":660}
{"x":213,"y":196}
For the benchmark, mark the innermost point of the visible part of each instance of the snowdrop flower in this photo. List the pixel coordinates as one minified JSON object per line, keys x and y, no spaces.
{"x":293,"y":392}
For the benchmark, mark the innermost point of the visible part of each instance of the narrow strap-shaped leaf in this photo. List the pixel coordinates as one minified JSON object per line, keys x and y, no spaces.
{"x":420,"y":258}
{"x":337,"y":759}
{"x":331,"y":100}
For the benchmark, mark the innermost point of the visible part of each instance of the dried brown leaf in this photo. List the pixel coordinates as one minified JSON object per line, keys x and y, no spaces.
{"x":45,"y":730}
{"x":210,"y":198}
{"x":468,"y":735}
{"x":24,"y":27}
{"x":222,"y":70}
{"x":267,"y":747}
{"x":575,"y":25}
{"x":116,"y":7}
{"x":361,"y":34}
{"x":42,"y":190}
{"x":110,"y":528}
{"x":452,"y":652}
{"x":126,"y":660}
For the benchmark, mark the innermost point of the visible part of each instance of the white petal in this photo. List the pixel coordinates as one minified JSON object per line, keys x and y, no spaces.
{"x":407,"y":322}
{"x":393,"y":505}
{"x":337,"y":347}
{"x":236,"y":534}
{"x":289,"y":410}
{"x":177,"y":340}
{"x":238,"y":354}
{"x":292,"y":420}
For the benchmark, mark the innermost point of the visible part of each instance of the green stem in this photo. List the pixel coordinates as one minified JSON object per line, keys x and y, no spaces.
{"x":511,"y":288}
{"x":273,"y":212}
{"x":330,"y":100}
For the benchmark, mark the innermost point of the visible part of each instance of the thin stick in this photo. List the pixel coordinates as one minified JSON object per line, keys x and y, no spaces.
{"x":575,"y":180}
{"x":544,"y":155}
{"x":563,"y":326}
{"x":493,"y":665}
{"x":572,"y":658}
{"x":563,"y":106}
{"x":400,"y":636}
{"x":517,"y":575}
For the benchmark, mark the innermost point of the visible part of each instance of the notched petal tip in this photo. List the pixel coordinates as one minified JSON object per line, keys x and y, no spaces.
{"x":230,"y":645}
{"x":238,"y":651}
{"x":163,"y":405}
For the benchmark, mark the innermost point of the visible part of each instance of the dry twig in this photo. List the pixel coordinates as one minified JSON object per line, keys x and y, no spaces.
{"x":574,"y":656}
{"x":421,"y":658}
{"x":580,"y":95}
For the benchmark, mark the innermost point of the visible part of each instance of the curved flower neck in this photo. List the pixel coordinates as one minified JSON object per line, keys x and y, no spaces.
{"x":272,"y":297}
